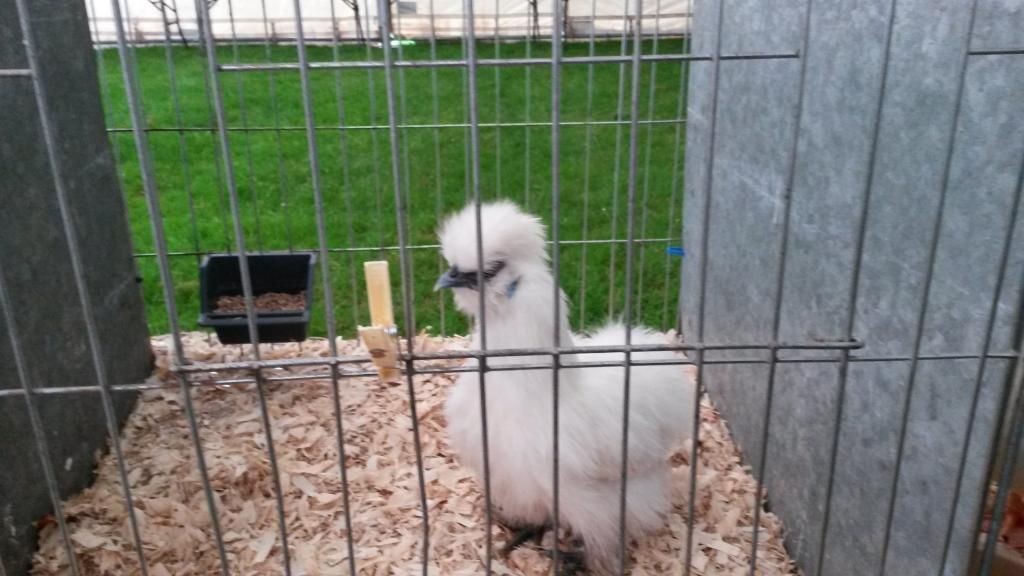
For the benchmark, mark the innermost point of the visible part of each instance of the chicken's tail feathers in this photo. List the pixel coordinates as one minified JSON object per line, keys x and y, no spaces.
{"x":613,"y":333}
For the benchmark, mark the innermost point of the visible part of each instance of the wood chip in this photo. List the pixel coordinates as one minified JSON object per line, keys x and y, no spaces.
{"x":715,"y":541}
{"x":88,"y":540}
{"x":175,"y":525}
{"x":699,"y":561}
{"x":263,"y":546}
{"x":305,"y":485}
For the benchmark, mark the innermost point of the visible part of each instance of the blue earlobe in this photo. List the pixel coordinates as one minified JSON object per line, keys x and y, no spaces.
{"x":512,"y":288}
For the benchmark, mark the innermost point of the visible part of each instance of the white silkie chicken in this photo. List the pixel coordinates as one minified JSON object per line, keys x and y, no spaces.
{"x":519,"y":291}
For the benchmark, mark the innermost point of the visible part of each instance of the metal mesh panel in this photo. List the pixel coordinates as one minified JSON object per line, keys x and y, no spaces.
{"x":362,"y":166}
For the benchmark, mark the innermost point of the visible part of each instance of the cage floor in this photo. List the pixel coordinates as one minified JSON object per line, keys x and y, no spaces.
{"x":177,"y":532}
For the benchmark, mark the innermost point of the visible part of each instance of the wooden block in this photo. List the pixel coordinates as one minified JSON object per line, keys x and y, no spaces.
{"x":384,"y":351}
{"x":378,"y":290}
{"x":379,"y":337}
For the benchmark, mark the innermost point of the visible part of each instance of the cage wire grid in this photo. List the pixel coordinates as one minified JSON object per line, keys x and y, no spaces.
{"x":277,"y":28}
{"x":840,"y":351}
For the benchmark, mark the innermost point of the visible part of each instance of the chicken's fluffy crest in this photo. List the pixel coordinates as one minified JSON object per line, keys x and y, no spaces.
{"x":510,"y":233}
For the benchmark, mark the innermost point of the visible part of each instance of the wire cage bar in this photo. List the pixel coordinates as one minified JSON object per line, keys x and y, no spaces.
{"x":223,"y":162}
{"x":854,"y":314}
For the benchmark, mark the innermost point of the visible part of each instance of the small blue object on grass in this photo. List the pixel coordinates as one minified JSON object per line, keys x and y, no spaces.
{"x":675,"y":251}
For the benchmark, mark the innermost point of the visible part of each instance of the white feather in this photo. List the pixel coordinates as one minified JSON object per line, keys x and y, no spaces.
{"x":520,"y":404}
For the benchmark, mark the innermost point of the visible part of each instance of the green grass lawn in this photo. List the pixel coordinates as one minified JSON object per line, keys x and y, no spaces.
{"x":274,"y":186}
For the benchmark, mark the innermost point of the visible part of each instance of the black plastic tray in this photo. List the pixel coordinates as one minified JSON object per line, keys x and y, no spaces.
{"x":291,"y":273}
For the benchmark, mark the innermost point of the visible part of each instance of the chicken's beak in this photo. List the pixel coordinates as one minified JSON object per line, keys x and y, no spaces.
{"x":451,"y":279}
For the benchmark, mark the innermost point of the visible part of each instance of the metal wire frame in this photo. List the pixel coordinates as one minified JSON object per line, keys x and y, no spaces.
{"x":510,"y":62}
{"x":684,"y":90}
{"x":276,"y":128}
{"x":350,"y":127}
{"x":846,"y":358}
{"x":346,"y":182}
{"x":930,"y":274}
{"x":581,"y":296}
{"x":156,"y":221}
{"x":618,"y":167}
{"x":997,"y":52}
{"x":780,"y":284}
{"x":70,"y":231}
{"x":858,"y":261}
{"x":197,"y":366}
{"x":406,"y":270}
{"x":528,"y":38}
{"x":652,"y":84}
{"x":703,"y":282}
{"x":436,"y":115}
{"x":373,"y":136}
{"x":159,"y":239}
{"x":497,"y":98}
{"x":443,"y":27}
{"x":38,"y":431}
{"x":982,"y":362}
{"x":381,"y":249}
{"x":467,"y":152}
{"x":917,"y":355}
{"x":200,"y":377}
{"x":182,"y":145}
{"x":403,"y":113}
{"x":246,"y":140}
{"x":631,"y":188}
{"x":334,"y":363}
{"x":1014,"y":422}
{"x":556,"y":263}
{"x":474,"y":191}
{"x":506,"y":31}
{"x":325,"y":275}
{"x":279,"y":38}
{"x":247,"y":290}
{"x":281,"y":171}
{"x":474,"y":127}
{"x":156,"y":224}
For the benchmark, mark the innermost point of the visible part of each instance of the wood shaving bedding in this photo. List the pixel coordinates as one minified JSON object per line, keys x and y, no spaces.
{"x":384,"y":495}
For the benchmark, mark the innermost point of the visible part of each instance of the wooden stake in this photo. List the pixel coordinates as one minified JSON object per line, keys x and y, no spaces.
{"x":380,"y":338}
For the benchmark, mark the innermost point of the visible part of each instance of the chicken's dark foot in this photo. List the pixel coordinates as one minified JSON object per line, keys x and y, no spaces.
{"x":570,"y":562}
{"x":524,"y":534}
